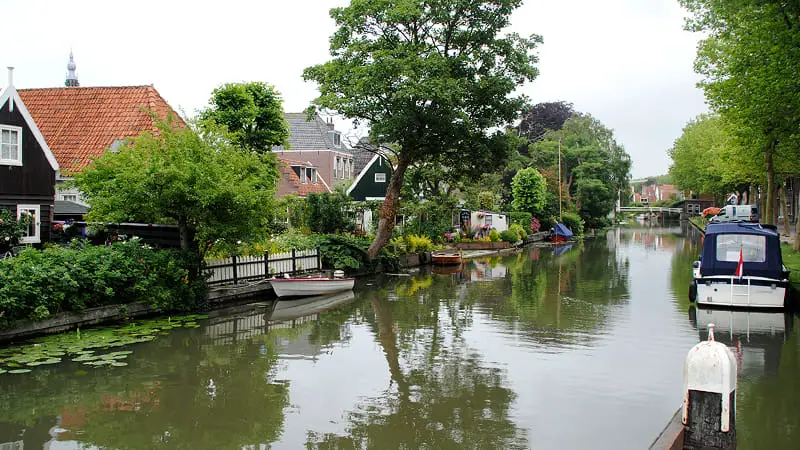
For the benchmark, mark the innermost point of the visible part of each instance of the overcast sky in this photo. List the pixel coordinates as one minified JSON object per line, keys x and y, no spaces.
{"x":627,"y":62}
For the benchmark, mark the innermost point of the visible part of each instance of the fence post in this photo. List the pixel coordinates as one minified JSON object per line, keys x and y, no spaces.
{"x":235,"y":275}
{"x":266,"y":264}
{"x":709,"y":404}
{"x":294,"y":262}
{"x":319,"y":260}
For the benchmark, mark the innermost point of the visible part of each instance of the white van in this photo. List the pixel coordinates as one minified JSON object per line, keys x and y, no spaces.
{"x":737,"y":213}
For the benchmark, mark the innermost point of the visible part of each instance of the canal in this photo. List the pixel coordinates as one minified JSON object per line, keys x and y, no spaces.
{"x":581,"y":347}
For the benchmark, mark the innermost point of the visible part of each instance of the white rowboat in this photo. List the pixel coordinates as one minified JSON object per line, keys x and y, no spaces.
{"x":305,"y":287}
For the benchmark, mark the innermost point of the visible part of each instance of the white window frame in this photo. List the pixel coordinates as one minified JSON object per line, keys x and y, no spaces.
{"x":380,"y":177}
{"x":12,"y":162}
{"x":303,"y":179}
{"x":69,"y":198}
{"x":313,"y":176}
{"x":37,"y":236}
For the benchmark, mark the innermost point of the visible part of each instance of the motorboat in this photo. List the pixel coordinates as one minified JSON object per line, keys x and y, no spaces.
{"x":446,"y":258}
{"x":740,"y":266}
{"x":308,"y":286}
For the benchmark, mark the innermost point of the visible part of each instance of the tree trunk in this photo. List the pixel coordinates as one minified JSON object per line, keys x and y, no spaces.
{"x":769,"y":215}
{"x":187,"y":236}
{"x":783,"y":201}
{"x":389,"y":209}
{"x":796,"y":243}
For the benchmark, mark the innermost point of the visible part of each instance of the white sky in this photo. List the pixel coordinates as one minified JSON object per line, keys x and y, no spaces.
{"x":627,"y":62}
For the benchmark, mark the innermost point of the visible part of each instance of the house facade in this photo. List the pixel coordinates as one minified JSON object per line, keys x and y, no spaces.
{"x":82,"y":123}
{"x":299,"y":178}
{"x":27,"y":166}
{"x":318,"y":142}
{"x":373,"y":180}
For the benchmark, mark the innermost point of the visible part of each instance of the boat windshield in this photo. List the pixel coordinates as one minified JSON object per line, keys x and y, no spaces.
{"x":753,"y":248}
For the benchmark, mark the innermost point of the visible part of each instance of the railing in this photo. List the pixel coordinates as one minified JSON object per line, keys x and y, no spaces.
{"x":648,"y":209}
{"x":238,"y":269}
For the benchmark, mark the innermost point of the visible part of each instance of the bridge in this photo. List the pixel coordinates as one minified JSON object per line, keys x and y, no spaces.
{"x":648,"y":209}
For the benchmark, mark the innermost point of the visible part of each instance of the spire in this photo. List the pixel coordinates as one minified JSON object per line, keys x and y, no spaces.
{"x":72,"y":78}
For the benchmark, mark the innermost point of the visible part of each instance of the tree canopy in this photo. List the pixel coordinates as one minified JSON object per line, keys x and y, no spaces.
{"x":196,"y":179}
{"x":529,"y":191}
{"x":253,"y":114}
{"x":544,"y":117}
{"x":435,"y":78}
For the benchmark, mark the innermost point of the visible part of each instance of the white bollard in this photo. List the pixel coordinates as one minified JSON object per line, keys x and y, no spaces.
{"x":709,"y":404}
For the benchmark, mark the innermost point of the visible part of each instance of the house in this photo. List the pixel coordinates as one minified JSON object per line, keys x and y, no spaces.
{"x":486,"y":220}
{"x":300,"y":178}
{"x":27,"y":166}
{"x":318,"y":142}
{"x":372,"y":181}
{"x":81,"y":123}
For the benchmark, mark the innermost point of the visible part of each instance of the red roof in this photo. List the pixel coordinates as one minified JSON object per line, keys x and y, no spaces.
{"x":290,"y":181}
{"x":80,"y":123}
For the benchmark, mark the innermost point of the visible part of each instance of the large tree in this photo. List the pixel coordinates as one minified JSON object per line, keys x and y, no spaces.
{"x":252,"y":112}
{"x":197,"y":180}
{"x":749,"y":62}
{"x":544,"y":117}
{"x":529,"y":191}
{"x":434,"y":77}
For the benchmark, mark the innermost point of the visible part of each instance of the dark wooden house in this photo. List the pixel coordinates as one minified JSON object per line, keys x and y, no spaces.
{"x":372,"y":181}
{"x":27,"y":166}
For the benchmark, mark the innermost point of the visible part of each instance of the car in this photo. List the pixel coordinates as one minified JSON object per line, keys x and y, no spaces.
{"x":737,"y":213}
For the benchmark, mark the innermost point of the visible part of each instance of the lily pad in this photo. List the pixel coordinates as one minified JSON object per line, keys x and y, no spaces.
{"x":19,"y":371}
{"x":118,"y":364}
{"x":2,"y":371}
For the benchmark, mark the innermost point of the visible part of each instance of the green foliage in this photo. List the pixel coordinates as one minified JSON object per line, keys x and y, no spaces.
{"x":494,"y":236}
{"x":11,"y":230}
{"x":509,"y":236}
{"x":486,"y":200}
{"x":520,"y":218}
{"x":529,"y":191}
{"x":200,"y":181}
{"x":37,"y":284}
{"x":350,"y":253}
{"x":252,"y":113}
{"x":429,"y":218}
{"x":574,"y":222}
{"x":519,"y":230}
{"x":328,"y":213}
{"x":416,"y":244}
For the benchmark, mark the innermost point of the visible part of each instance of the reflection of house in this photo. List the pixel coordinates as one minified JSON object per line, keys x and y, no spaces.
{"x":317,"y":142}
{"x":27,"y":184}
{"x":299,"y":178}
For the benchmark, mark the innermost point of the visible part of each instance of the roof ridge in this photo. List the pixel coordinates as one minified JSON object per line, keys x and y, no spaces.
{"x":79,"y":88}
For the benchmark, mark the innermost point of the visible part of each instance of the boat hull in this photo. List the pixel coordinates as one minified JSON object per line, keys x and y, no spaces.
{"x":304,"y":287}
{"x":446,"y":260}
{"x":750,"y":292}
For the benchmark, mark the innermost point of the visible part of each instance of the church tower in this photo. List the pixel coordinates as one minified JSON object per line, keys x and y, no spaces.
{"x":72,"y":78}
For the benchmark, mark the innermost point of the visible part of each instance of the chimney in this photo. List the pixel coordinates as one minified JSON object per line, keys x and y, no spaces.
{"x":330,"y":123}
{"x":10,"y":75}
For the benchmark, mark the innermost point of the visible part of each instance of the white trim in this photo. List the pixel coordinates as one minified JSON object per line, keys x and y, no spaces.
{"x":10,"y":93}
{"x":37,"y":236}
{"x":19,"y":131}
{"x":374,"y":198}
{"x":363,"y":171}
{"x":321,"y":178}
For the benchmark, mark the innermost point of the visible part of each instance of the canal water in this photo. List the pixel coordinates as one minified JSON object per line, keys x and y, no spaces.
{"x":579,"y":347}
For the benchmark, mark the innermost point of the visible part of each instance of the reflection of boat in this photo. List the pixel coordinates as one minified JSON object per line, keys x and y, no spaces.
{"x":448,"y":269}
{"x":288,"y":310}
{"x":561,"y":249}
{"x":755,"y":337}
{"x":304,"y":287}
{"x":741,"y":266}
{"x":447,"y":257}
{"x":561,"y":234}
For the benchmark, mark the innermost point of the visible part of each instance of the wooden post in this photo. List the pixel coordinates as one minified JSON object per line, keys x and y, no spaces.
{"x":709,"y":404}
{"x":266,"y":264}
{"x":319,"y":260}
{"x":294,"y":262}
{"x":235,"y":275}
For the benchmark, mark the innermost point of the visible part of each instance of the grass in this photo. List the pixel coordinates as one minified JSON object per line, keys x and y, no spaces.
{"x":791,"y":259}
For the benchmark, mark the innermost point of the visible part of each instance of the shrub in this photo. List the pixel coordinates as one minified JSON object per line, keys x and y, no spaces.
{"x":36,"y":284}
{"x":517,"y":228}
{"x":573,"y":222}
{"x":415,"y":244}
{"x":521,"y":218}
{"x":342,"y":251}
{"x":494,"y":236}
{"x":11,"y":230}
{"x":327,"y":213}
{"x":509,"y":236}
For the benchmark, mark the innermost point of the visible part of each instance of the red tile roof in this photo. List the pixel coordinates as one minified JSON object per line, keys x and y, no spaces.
{"x":290,"y":182}
{"x":80,"y":123}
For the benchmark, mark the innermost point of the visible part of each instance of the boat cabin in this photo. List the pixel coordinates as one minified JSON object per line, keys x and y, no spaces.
{"x":760,"y":248}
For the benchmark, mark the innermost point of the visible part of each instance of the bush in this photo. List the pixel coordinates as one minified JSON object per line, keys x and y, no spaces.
{"x":517,"y":228}
{"x":327,"y":213}
{"x":520,"y":218}
{"x":36,"y":284}
{"x":349,"y":253}
{"x":494,"y":236}
{"x":509,"y":236}
{"x":10,"y":230}
{"x":573,"y":222}
{"x":415,"y":244}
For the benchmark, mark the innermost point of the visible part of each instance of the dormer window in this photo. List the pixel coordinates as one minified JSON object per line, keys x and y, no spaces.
{"x":336,"y":137}
{"x":10,"y":145}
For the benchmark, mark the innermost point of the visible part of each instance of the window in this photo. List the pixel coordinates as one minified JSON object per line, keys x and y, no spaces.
{"x":313,"y":176}
{"x":303,"y":175}
{"x":337,"y":167}
{"x":753,"y":248}
{"x":488,"y":220}
{"x":337,"y":139}
{"x":10,"y":145}
{"x":69,"y":197}
{"x":380,"y":178}
{"x":341,"y":167}
{"x":31,"y":214}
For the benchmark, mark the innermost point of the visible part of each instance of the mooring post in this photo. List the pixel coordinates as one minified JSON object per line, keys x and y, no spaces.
{"x":709,"y":404}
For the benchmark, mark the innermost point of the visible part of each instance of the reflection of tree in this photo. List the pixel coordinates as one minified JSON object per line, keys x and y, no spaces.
{"x":445,"y":398}
{"x":685,"y":254}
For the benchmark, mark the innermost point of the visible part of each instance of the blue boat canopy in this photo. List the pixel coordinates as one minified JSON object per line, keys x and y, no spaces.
{"x":759,"y":247}
{"x":562,"y":230}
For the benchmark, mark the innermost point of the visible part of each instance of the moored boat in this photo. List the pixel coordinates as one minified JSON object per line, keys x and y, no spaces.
{"x":447,"y":258}
{"x":308,"y":286}
{"x":561,"y":234}
{"x":740,"y":266}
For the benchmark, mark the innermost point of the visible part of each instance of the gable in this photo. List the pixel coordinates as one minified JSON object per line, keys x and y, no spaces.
{"x":10,"y":96}
{"x":365,"y":186}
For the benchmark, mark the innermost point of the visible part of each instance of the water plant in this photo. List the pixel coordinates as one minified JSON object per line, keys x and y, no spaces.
{"x":93,"y":347}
